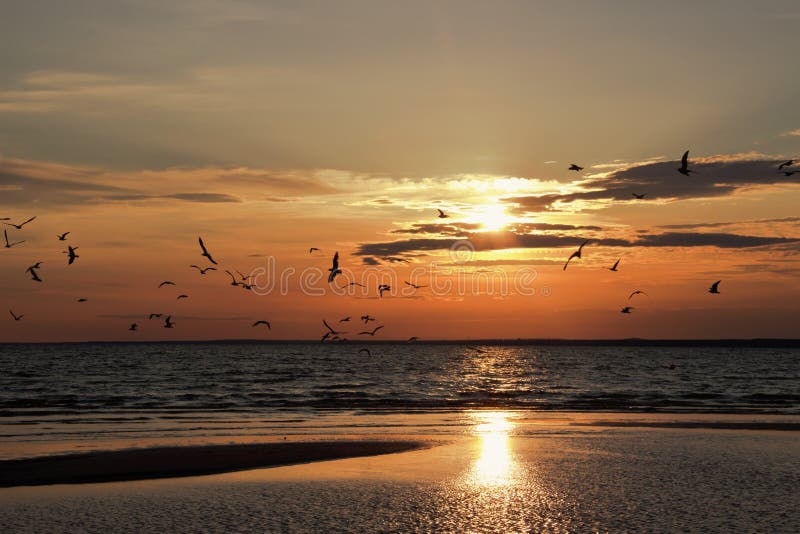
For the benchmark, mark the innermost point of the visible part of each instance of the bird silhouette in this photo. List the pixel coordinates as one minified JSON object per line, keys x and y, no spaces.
{"x":72,"y":256}
{"x":637,"y":292}
{"x":331,"y":330}
{"x":684,"y":168}
{"x":787,"y":163}
{"x":345,"y":320}
{"x":20,"y":225}
{"x":367,"y":318}
{"x":168,"y":322}
{"x":442,"y":215}
{"x":626,"y":309}
{"x":166,"y":283}
{"x":16,"y":317}
{"x":269,"y":326}
{"x":82,"y":299}
{"x":576,"y":254}
{"x":63,"y":237}
{"x":576,"y":168}
{"x":415,"y":286}
{"x":32,"y":271}
{"x":133,"y":327}
{"x":614,"y":268}
{"x":15,"y":243}
{"x":312,"y":249}
{"x":370,"y":333}
{"x":382,"y":288}
{"x":234,"y":282}
{"x":334,"y":270}
{"x":154,"y":315}
{"x":640,"y":197}
{"x":205,"y":251}
{"x":182,"y":297}
{"x":714,"y":287}
{"x":202,"y":270}
{"x":356,"y":284}
{"x":412,"y":339}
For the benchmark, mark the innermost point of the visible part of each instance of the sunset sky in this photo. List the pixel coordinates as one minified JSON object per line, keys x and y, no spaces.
{"x":270,"y":128}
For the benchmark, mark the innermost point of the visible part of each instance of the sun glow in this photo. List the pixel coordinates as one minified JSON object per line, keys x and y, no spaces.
{"x":492,"y":217}
{"x":495,"y":465}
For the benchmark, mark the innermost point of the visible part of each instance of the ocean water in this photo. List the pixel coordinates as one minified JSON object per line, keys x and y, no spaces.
{"x":102,"y":391}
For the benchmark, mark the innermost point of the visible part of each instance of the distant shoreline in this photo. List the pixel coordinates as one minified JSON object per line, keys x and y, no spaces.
{"x":629,"y":342}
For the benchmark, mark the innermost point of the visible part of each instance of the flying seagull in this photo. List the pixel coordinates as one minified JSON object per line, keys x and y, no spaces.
{"x":183,"y":297}
{"x":203,"y":271}
{"x":334,"y":270}
{"x":415,"y":286}
{"x":684,"y":168}
{"x":332,"y":331}
{"x":312,"y":249}
{"x":714,"y":287}
{"x":367,"y":318}
{"x":371,"y":333}
{"x":154,"y":315}
{"x":72,"y":256}
{"x":640,"y":197}
{"x":166,"y":283}
{"x":442,"y":215}
{"x":82,"y":299}
{"x":356,"y":284}
{"x":576,"y":254}
{"x":63,"y":237}
{"x":168,"y":322}
{"x":16,"y":317}
{"x":614,"y":268}
{"x":233,"y":278}
{"x":9,"y":245}
{"x":576,"y":168}
{"x":32,"y":271}
{"x":412,"y":339}
{"x":787,"y":163}
{"x":626,"y":309}
{"x":269,"y":326}
{"x":205,"y":251}
{"x":637,"y":292}
{"x":133,"y":327}
{"x":345,"y":320}
{"x":20,"y":225}
{"x":382,"y":288}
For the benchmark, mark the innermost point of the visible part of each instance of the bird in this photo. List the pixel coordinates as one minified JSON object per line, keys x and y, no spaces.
{"x":63,"y":237}
{"x":345,"y":320}
{"x":576,"y":168}
{"x":334,"y":270}
{"x":16,"y":317}
{"x":415,"y":286}
{"x":20,"y":225}
{"x":182,"y":297}
{"x":133,"y":327}
{"x":325,"y":336}
{"x":168,"y":322}
{"x":442,"y":215}
{"x":684,"y":168}
{"x":356,"y":284}
{"x":372,"y":333}
{"x":382,"y":288}
{"x":576,"y":254}
{"x":637,"y":292}
{"x":626,"y":309}
{"x":640,"y":197}
{"x":312,"y":249}
{"x":154,"y":315}
{"x":269,"y":326}
{"x":82,"y":299}
{"x":367,"y":318}
{"x":37,"y":265}
{"x":365,"y":350}
{"x":789,"y":173}
{"x":32,"y":271}
{"x":332,"y":331}
{"x":233,"y":278}
{"x":614,"y":268}
{"x":205,"y":251}
{"x":15,"y":243}
{"x":166,"y":283}
{"x":714,"y":287}
{"x":72,"y":256}
{"x":412,"y":339}
{"x":203,"y":271}
{"x":787,"y":163}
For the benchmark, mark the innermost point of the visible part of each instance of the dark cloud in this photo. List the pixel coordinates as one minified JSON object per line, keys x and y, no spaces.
{"x":463,"y":229}
{"x":690,"y":226}
{"x":712,"y":178}
{"x":370,"y":261}
{"x":19,"y":188}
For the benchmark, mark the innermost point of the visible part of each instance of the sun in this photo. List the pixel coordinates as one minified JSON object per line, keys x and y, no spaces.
{"x":492,"y":217}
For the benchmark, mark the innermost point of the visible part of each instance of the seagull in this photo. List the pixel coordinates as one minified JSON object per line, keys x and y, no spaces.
{"x":168,"y":322}
{"x":626,"y":309}
{"x":334,"y":270}
{"x":242,"y":276}
{"x":371,"y":333}
{"x":32,"y":270}
{"x":269,"y":326}
{"x":345,"y":320}
{"x":71,"y":251}
{"x":20,"y":225}
{"x":203,"y":271}
{"x":82,"y":299}
{"x":9,"y":245}
{"x":356,"y":284}
{"x":16,"y":317}
{"x":37,"y":265}
{"x":684,"y":168}
{"x":442,"y":215}
{"x":205,"y":251}
{"x":233,"y":278}
{"x":382,"y":288}
{"x":415,"y":286}
{"x":614,"y":268}
{"x":576,"y":254}
{"x":367,"y":318}
{"x":412,"y":339}
{"x":183,"y":297}
{"x":166,"y":283}
{"x":154,"y":315}
{"x":325,"y":336}
{"x":312,"y":249}
{"x":714,"y":287}
{"x":332,"y":331}
{"x":637,"y":292}
{"x":576,"y":168}
{"x":787,"y":163}
{"x":63,"y":237}
{"x":133,"y":327}
{"x":640,"y":197}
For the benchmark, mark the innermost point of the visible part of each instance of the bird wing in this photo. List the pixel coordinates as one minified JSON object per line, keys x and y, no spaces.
{"x":196,"y":267}
{"x":440,"y":211}
{"x":335,"y":261}
{"x":616,"y":263}
{"x":5,"y":232}
{"x":376,"y":329}
{"x":715,"y":285}
{"x":328,"y":326}
{"x":205,"y":251}
{"x":29,"y":220}
{"x":685,"y":160}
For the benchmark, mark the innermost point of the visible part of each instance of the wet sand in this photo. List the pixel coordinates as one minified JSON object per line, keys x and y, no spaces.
{"x":167,"y":462}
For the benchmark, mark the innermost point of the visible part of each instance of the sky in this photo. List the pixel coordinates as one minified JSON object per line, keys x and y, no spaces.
{"x":270,"y":128}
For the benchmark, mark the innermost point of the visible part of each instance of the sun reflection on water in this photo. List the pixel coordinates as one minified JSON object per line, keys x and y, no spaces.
{"x":495,"y":465}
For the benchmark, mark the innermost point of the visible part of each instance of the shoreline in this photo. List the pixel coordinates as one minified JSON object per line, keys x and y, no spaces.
{"x":184,"y":461}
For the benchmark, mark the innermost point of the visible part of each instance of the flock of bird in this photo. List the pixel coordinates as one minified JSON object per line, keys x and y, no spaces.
{"x":331,"y":334}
